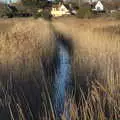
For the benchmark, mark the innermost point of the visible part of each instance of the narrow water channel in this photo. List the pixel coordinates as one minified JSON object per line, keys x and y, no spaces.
{"x":62,"y":82}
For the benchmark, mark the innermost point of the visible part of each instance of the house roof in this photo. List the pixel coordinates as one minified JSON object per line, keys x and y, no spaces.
{"x":99,"y":4}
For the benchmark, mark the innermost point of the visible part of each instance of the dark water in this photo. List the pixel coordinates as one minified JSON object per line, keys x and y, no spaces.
{"x":62,"y":82}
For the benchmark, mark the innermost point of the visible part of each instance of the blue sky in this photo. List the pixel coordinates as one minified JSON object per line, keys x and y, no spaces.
{"x":17,"y":0}
{"x":7,"y":1}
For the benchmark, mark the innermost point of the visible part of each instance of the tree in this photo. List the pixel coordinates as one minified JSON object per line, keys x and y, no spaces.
{"x":78,"y":2}
{"x":34,"y":2}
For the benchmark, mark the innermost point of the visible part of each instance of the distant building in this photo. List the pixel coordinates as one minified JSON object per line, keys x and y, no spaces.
{"x":59,"y":10}
{"x":113,"y":11}
{"x":99,"y":7}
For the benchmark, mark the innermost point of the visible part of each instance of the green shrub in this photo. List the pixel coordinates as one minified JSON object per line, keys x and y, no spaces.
{"x":84,"y":13}
{"x":35,"y":3}
{"x":10,"y":14}
{"x":7,"y":12}
{"x":44,"y":14}
{"x":116,"y":15}
{"x":1,"y":13}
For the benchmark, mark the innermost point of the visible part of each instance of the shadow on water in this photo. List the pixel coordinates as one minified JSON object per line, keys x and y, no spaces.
{"x":62,"y":83}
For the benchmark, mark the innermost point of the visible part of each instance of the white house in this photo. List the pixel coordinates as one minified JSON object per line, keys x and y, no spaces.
{"x":99,"y":6}
{"x":60,"y":10}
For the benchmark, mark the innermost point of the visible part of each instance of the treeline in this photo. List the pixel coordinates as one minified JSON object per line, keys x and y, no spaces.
{"x":39,"y":3}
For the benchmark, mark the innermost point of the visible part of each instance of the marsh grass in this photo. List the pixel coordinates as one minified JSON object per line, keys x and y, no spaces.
{"x":95,"y":67}
{"x":24,"y":87}
{"x":27,"y":50}
{"x":112,"y":29}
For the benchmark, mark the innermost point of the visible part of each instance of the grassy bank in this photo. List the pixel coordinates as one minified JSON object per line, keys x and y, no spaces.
{"x":95,"y":66}
{"x":26,"y":47}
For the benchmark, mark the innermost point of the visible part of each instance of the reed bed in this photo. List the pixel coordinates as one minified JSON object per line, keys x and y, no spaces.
{"x":25,"y":50}
{"x":95,"y":66}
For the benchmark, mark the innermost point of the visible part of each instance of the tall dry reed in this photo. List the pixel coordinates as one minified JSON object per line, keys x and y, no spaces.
{"x":96,"y":67}
{"x":25,"y":50}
